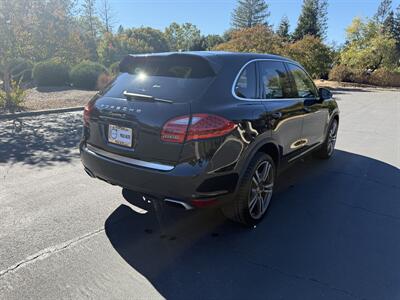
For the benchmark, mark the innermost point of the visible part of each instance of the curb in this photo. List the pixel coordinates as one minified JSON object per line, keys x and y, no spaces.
{"x":40,"y":112}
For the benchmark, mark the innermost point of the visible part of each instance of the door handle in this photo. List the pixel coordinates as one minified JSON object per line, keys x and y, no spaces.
{"x":307,"y":109}
{"x":276,"y":115}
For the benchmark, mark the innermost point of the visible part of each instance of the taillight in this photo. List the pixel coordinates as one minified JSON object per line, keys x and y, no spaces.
{"x":86,"y":112}
{"x":202,"y":126}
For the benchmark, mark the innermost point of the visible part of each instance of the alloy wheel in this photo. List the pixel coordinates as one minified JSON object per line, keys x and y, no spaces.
{"x":261,"y":189}
{"x":332,"y":137}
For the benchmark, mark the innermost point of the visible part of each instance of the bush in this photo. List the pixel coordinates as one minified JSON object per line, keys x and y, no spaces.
{"x":21,"y":69}
{"x":341,"y":73}
{"x":86,"y":75}
{"x":15,"y":98}
{"x":51,"y":73}
{"x":114,"y":68}
{"x":383,"y":77}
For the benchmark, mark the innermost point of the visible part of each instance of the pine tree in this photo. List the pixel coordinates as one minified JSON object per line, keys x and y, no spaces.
{"x":313,"y":19}
{"x":283,"y":28}
{"x":249,"y":13}
{"x":388,"y":26}
{"x":396,"y":28}
{"x":120,"y":29}
{"x":107,"y":16}
{"x":384,"y":9}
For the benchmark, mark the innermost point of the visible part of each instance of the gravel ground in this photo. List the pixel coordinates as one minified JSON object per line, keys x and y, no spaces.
{"x":55,"y":97}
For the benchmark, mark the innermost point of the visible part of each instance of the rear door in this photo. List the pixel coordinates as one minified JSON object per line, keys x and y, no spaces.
{"x":148,"y":92}
{"x":315,"y":115}
{"x":284,"y":110}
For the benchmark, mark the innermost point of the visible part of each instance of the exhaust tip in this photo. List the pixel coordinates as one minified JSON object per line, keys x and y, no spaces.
{"x":178,"y":203}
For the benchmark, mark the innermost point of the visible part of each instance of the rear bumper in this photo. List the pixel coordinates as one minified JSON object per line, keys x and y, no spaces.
{"x":183,"y":182}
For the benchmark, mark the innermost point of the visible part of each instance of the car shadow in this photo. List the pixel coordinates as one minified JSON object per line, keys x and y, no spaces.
{"x":40,"y":140}
{"x":331,"y":232}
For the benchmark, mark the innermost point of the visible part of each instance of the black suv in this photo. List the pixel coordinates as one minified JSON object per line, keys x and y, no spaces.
{"x":197,"y":129}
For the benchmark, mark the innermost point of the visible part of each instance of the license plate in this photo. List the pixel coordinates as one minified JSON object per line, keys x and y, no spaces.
{"x":120,"y":135}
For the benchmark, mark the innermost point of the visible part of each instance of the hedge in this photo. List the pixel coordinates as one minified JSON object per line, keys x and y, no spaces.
{"x":51,"y":73}
{"x":380,"y":77}
{"x":86,"y":75}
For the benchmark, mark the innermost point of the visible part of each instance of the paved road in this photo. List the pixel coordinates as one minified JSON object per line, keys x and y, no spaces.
{"x":332,"y":231}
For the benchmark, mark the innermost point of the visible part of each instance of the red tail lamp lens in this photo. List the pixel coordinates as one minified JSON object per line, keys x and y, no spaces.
{"x":86,"y":112}
{"x":203,"y":126}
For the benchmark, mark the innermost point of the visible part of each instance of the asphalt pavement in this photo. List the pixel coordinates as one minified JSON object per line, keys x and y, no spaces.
{"x":332,"y":231}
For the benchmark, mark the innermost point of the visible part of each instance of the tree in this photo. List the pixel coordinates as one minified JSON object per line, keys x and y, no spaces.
{"x":259,"y":39}
{"x":89,"y":17}
{"x":384,"y":9}
{"x":388,"y":26}
{"x":211,"y":41}
{"x":313,"y":19}
{"x":367,"y":48}
{"x":283,"y":28}
{"x":249,"y":13}
{"x":107,"y":15}
{"x":182,"y":37}
{"x":316,"y":57}
{"x":396,"y":28}
{"x":120,"y":29}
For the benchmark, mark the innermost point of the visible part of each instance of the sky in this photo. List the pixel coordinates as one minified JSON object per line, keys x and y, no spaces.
{"x":213,"y":16}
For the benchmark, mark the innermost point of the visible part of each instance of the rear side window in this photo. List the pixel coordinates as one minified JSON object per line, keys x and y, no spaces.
{"x":303,"y":85}
{"x":275,"y":82}
{"x":179,"y":78}
{"x":246,"y":84}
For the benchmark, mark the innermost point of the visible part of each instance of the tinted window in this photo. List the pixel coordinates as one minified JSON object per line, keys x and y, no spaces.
{"x":274,"y":80}
{"x":176,"y":78}
{"x":246,"y":84}
{"x":304,"y":86}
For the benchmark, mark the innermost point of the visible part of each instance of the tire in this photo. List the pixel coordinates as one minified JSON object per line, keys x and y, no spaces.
{"x":254,"y":196}
{"x":328,"y":147}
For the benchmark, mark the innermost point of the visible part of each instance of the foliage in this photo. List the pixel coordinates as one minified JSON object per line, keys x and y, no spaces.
{"x":14,"y":99}
{"x":20,"y":69}
{"x":182,"y":37}
{"x":259,"y":39}
{"x":249,"y":13}
{"x":341,"y":73}
{"x":114,"y":68}
{"x":283,"y":29}
{"x":384,"y":77}
{"x":314,"y":55}
{"x":312,"y":20}
{"x":367,"y":48}
{"x":113,"y":47}
{"x":210,"y":41}
{"x":86,"y":75}
{"x":51,"y":73}
{"x":383,"y":11}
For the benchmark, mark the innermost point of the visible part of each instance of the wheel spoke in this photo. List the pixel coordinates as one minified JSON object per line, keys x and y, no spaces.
{"x":253,"y":202}
{"x":265,"y":173}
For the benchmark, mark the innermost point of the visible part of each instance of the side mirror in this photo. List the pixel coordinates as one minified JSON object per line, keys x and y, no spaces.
{"x":324,"y":94}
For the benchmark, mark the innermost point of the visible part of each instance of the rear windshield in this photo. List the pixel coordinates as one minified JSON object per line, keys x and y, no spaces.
{"x":177,"y":78}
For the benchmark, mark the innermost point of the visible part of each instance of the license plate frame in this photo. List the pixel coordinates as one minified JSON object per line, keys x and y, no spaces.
{"x":120,"y":135}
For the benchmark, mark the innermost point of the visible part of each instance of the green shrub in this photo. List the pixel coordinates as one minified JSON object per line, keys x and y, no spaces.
{"x":51,"y":73}
{"x":14,"y":99}
{"x":114,"y":68}
{"x":86,"y":75}
{"x":21,"y":69}
{"x":341,"y":73}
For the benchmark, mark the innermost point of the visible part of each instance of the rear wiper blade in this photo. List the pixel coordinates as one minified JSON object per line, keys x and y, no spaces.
{"x":130,"y":95}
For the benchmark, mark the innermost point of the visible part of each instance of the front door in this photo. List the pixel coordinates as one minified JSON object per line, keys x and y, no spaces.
{"x":285,"y":112}
{"x":315,"y":115}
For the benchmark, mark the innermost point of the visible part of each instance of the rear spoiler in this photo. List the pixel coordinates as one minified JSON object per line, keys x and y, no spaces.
{"x":214,"y":65}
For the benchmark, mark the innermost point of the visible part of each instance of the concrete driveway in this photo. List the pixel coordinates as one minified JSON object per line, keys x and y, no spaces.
{"x":332,"y":231}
